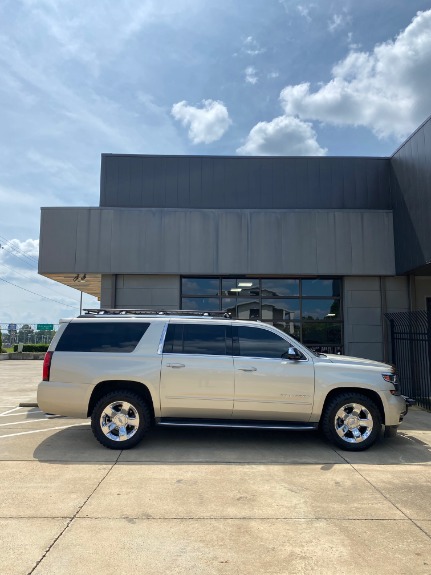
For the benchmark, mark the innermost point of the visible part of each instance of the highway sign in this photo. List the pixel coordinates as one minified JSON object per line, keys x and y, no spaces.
{"x":45,"y":327}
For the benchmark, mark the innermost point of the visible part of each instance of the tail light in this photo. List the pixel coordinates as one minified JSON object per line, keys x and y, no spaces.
{"x":47,"y":365}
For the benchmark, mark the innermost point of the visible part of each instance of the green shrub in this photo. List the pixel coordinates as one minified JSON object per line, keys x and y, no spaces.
{"x":33,"y":347}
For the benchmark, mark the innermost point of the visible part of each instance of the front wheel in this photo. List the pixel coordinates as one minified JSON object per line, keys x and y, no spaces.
{"x":352,"y":421}
{"x":120,"y":420}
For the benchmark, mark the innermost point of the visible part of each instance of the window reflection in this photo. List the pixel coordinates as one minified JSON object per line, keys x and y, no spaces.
{"x":279,"y":287}
{"x":289,"y":327}
{"x":243,"y":287}
{"x":280,"y":309}
{"x":242,"y":308}
{"x":327,"y":309}
{"x":307,"y":309}
{"x":201,"y":303}
{"x":319,"y":287}
{"x":200,"y":286}
{"x":318,"y":333}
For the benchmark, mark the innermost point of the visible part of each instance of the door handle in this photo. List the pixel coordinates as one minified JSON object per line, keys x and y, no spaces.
{"x":175,"y":365}
{"x":247,"y":369}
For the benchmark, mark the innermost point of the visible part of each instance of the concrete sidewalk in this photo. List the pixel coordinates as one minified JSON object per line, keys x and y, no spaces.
{"x":207,"y":502}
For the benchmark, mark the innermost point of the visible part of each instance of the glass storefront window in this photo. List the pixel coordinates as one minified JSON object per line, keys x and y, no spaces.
{"x":280,"y":309}
{"x":321,"y":333}
{"x":242,"y":308}
{"x":307,"y":309}
{"x":200,"y":286}
{"x":324,"y":309}
{"x":236,"y":287}
{"x":201,"y":303}
{"x":321,"y":287}
{"x":289,"y":327}
{"x":279,"y":287}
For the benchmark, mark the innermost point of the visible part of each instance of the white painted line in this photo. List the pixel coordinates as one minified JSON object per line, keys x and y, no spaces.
{"x":41,"y":430}
{"x":17,"y":414}
{"x":25,"y":421}
{"x":10,"y":411}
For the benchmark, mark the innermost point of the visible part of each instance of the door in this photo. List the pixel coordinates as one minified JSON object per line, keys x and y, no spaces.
{"x":197,"y":378}
{"x":267,"y":386}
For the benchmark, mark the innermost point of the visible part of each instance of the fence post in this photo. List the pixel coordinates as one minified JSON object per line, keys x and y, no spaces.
{"x":393,"y":354}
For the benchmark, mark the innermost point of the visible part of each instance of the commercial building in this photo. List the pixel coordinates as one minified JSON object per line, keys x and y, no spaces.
{"x":322,"y":247}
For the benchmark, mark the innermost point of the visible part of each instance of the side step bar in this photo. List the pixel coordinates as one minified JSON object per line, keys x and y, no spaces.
{"x":237,"y":424}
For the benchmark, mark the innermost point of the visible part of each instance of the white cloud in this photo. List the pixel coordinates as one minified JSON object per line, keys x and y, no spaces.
{"x":273,"y":75}
{"x":251,"y":75}
{"x":206,"y":124}
{"x":252,"y":47}
{"x":338,"y":21}
{"x":386,"y":90}
{"x":283,"y":136}
{"x":304,"y":11}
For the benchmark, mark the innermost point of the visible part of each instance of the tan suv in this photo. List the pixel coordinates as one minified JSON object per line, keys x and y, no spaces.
{"x":128,"y":370}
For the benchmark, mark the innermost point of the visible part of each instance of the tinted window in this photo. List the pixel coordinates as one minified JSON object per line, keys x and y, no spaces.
{"x":280,"y":309}
{"x":327,"y":309}
{"x":201,"y":303}
{"x":200,"y":286}
{"x":279,"y":287}
{"x":321,"y":288}
{"x":256,"y":342}
{"x":196,"y":339}
{"x":101,"y":336}
{"x":321,"y":333}
{"x":242,"y":308}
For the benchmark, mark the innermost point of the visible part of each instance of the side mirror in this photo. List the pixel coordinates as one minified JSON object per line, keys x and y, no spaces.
{"x":292,"y":354}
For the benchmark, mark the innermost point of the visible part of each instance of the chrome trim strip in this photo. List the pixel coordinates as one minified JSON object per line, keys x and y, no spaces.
{"x":188,"y":397}
{"x":242,"y":426}
{"x":162,"y":339}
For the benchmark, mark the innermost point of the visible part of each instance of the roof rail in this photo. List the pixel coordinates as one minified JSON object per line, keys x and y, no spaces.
{"x":168,"y":312}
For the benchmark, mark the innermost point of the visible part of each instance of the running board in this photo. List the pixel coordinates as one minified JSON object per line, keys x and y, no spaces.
{"x":238,"y":424}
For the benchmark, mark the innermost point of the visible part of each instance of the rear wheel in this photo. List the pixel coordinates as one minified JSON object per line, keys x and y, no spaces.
{"x":120,"y":420}
{"x":352,"y":421}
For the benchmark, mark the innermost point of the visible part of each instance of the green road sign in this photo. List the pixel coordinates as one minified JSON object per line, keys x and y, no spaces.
{"x":45,"y":327}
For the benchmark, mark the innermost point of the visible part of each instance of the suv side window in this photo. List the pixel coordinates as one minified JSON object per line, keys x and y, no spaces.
{"x":258,"y":342}
{"x":102,"y":336}
{"x":198,"y":339}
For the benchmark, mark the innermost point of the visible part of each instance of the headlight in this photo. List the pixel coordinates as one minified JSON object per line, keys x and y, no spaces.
{"x":392,"y":378}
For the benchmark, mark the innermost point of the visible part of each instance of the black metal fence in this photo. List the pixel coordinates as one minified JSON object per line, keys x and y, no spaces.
{"x":410,"y":334}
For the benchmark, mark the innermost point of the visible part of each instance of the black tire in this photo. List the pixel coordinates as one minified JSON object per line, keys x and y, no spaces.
{"x":137,"y":419}
{"x":345,"y":438}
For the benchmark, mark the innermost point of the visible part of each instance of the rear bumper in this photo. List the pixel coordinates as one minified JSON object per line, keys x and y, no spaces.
{"x":64,"y":398}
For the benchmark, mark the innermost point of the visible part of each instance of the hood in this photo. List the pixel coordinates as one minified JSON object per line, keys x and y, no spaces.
{"x":345,"y":359}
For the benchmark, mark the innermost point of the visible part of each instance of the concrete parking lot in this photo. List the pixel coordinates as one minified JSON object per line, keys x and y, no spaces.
{"x":207,"y":501}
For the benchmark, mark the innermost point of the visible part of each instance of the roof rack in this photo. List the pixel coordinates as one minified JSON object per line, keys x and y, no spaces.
{"x":168,"y":312}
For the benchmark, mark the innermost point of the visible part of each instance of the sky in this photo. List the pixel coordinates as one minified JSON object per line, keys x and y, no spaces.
{"x":243,"y":77}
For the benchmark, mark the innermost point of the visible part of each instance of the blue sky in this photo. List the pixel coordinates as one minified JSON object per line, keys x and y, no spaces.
{"x":281,"y":77}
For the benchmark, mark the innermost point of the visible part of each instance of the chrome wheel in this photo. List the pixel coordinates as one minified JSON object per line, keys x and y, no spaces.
{"x":353,"y":423}
{"x":119,"y":420}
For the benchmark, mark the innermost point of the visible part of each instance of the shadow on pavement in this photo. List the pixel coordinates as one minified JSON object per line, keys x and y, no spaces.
{"x":226,"y":446}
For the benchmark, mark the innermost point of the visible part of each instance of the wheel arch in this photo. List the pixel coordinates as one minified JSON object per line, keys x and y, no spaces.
{"x":371,"y":394}
{"x":104,"y":387}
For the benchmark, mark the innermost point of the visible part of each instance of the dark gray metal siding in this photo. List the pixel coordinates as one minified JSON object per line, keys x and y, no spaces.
{"x":411,"y":197}
{"x":216,"y":242}
{"x":244,"y":182}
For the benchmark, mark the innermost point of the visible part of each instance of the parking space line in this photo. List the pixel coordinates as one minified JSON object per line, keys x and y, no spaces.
{"x":15,"y":414}
{"x":9,"y":411}
{"x":42,"y":430}
{"x":25,"y":421}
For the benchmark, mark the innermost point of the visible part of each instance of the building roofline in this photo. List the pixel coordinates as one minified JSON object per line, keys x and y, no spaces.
{"x":232,"y":157}
{"x":410,"y":137}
